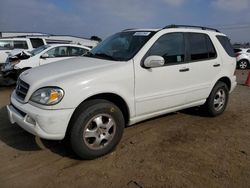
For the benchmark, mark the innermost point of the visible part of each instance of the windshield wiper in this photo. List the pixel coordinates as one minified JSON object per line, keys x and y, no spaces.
{"x":89,"y":54}
{"x":105,"y":56}
{"x":100,"y":55}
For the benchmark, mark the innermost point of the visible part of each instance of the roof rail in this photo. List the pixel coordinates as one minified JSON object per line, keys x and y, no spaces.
{"x":190,"y":26}
{"x":128,"y":29}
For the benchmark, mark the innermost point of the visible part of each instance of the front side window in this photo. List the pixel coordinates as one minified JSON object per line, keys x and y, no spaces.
{"x":170,"y":47}
{"x":248,"y":51}
{"x":121,"y":46}
{"x":39,"y":49}
{"x":61,"y":51}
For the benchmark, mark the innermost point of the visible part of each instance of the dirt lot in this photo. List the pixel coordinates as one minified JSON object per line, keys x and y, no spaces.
{"x":183,"y":149}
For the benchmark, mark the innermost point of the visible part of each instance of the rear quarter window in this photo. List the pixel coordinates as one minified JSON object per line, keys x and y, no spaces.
{"x":36,"y":42}
{"x":225,"y":42}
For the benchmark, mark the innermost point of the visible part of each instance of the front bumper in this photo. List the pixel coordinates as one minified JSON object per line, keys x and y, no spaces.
{"x":47,"y":124}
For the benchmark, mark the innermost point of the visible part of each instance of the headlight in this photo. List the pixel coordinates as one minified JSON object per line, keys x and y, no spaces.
{"x":47,"y":96}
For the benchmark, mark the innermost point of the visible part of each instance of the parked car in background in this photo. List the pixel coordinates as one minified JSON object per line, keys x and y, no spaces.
{"x":131,"y":76}
{"x":19,"y":61}
{"x":27,"y":44}
{"x":242,"y":57}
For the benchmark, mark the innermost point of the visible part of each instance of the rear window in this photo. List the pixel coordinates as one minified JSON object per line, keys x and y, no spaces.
{"x":225,"y":42}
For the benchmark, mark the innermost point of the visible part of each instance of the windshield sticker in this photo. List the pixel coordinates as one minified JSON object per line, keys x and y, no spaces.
{"x":142,"y":33}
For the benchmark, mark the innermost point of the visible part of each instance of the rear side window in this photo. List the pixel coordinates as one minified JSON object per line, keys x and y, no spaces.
{"x":20,"y":44}
{"x":36,"y":42}
{"x":75,"y":51}
{"x":200,"y":47}
{"x":225,"y":42}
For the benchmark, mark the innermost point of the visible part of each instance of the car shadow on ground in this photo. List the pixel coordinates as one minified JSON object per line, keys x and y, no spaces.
{"x":195,"y":111}
{"x":19,"y":139}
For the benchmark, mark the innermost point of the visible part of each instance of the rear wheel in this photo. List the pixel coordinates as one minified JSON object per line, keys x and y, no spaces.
{"x":243,"y":64}
{"x":217,"y":101}
{"x":96,"y":128}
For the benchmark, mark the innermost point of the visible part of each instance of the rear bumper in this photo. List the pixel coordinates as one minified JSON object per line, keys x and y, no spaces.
{"x":47,"y":124}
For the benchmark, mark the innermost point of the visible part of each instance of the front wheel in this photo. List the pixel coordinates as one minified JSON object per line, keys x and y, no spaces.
{"x":96,"y":128}
{"x":217,"y":101}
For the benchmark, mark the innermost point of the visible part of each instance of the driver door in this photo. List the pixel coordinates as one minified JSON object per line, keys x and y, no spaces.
{"x":161,"y":88}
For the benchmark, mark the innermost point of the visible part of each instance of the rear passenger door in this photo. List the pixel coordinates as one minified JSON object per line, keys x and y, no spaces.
{"x":203,"y":63}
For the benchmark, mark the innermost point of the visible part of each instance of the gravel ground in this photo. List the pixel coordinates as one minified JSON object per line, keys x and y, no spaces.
{"x":182,"y":149}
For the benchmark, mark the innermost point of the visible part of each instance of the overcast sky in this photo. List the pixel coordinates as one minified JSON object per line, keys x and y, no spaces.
{"x":105,"y":17}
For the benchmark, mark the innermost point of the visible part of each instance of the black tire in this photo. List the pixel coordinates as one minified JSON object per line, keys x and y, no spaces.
{"x":213,"y":109}
{"x":85,"y":117}
{"x":243,"y":64}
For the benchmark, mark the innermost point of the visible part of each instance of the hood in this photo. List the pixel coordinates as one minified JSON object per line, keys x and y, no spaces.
{"x":56,"y":71}
{"x":18,"y":54}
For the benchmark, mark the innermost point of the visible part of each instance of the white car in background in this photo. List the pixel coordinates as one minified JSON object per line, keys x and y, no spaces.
{"x":19,"y":61}
{"x":27,"y":44}
{"x":243,"y":57}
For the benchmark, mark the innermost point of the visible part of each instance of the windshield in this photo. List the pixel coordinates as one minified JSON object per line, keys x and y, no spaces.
{"x":121,"y":46}
{"x":39,"y":49}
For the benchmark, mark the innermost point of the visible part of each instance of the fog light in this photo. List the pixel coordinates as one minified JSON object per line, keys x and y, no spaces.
{"x":30,"y":120}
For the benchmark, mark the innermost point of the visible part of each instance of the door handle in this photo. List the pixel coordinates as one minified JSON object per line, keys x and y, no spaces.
{"x":216,"y":65}
{"x":184,"y":70}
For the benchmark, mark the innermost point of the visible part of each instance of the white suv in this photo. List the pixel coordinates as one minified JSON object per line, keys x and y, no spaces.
{"x":131,"y":76}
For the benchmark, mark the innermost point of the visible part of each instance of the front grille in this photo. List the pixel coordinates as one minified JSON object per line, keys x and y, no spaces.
{"x":21,"y":89}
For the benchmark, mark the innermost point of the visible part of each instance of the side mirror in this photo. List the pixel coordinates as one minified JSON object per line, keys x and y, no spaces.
{"x":154,"y":61}
{"x":44,"y":56}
